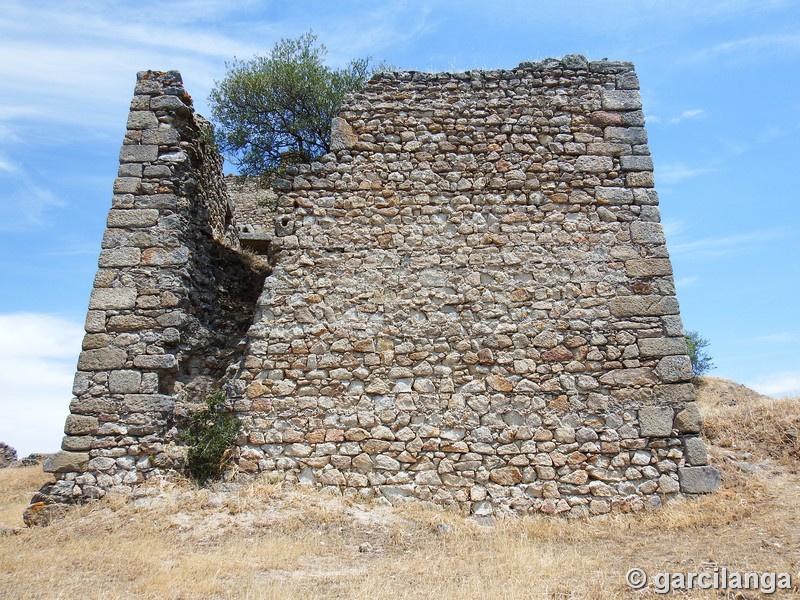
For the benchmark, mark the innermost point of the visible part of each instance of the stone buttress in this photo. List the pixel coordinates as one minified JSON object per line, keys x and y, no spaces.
{"x":172,"y":299}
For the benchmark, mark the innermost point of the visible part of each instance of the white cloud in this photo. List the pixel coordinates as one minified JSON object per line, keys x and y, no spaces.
{"x":785,"y":383}
{"x":73,"y":250}
{"x":673,"y":227}
{"x":7,"y":133}
{"x":75,"y":63}
{"x":771,"y":134}
{"x":24,"y":204}
{"x":140,"y":25}
{"x":759,"y":47}
{"x":687,"y":115}
{"x":6,"y":166}
{"x":670,"y":173}
{"x":685,"y":282}
{"x":735,"y":147}
{"x":38,"y":354}
{"x":384,"y":26}
{"x":725,"y":246}
{"x":783,"y":336}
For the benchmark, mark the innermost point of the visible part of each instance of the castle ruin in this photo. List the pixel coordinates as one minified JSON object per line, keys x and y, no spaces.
{"x":468,"y":301}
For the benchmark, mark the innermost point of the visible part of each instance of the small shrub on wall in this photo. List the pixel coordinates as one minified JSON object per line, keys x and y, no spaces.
{"x":210,"y":436}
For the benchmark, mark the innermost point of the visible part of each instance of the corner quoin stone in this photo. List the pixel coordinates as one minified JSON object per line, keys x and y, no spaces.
{"x":65,"y":462}
{"x":689,"y":419}
{"x":699,"y":480}
{"x":622,"y":100}
{"x":342,"y":135}
{"x":112,"y":298}
{"x":674,"y":369}
{"x":102,"y":359}
{"x":694,"y":449}
{"x":655,"y":421}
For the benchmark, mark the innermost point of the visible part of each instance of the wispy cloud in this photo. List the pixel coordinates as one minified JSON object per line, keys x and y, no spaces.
{"x":771,"y":134}
{"x":783,"y":336}
{"x":7,"y":133}
{"x":671,"y":173}
{"x":688,"y":115}
{"x":759,"y":47}
{"x":38,"y":348}
{"x":387,"y":25}
{"x":77,"y":65}
{"x":785,"y":383}
{"x":23,"y":203}
{"x":6,"y":166}
{"x":78,"y":250}
{"x":673,"y":227}
{"x":685,"y":282}
{"x":726,"y":246}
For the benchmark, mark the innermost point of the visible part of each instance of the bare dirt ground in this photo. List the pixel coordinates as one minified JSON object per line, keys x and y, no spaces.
{"x":174,"y":541}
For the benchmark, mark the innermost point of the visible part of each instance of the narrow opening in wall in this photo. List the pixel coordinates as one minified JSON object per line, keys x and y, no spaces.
{"x":256,"y":244}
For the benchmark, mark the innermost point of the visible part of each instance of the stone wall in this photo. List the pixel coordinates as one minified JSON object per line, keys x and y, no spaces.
{"x":172,"y":299}
{"x":8,"y":455}
{"x":471,"y":302}
{"x":254,"y":212}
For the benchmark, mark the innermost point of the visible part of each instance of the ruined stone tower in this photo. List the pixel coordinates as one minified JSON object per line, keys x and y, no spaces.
{"x":469,"y":301}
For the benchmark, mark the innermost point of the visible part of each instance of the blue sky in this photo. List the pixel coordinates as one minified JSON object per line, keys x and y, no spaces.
{"x":719,"y":85}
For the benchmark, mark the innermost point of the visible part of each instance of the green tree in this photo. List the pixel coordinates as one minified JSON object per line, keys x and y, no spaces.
{"x":276,"y":110}
{"x":701,"y":360}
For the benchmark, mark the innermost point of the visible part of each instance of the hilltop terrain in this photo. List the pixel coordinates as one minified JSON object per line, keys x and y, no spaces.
{"x":172,"y":540}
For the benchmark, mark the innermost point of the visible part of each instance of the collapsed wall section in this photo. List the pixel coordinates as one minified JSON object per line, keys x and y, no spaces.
{"x":473,"y":303}
{"x":172,"y":299}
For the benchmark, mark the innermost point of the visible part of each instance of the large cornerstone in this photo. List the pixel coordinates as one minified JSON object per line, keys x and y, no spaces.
{"x":468,"y":301}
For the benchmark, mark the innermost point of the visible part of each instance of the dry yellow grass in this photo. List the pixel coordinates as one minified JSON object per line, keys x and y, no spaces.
{"x":15,"y":491}
{"x":750,"y":424}
{"x":266,"y":541}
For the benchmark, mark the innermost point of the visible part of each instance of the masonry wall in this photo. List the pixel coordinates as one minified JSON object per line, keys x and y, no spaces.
{"x":172,"y":299}
{"x":473,"y":303}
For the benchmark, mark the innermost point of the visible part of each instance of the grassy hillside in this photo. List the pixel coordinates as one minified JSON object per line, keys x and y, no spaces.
{"x":264,"y":541}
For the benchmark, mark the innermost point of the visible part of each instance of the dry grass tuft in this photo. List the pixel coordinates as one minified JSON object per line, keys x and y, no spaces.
{"x":174,"y":541}
{"x":17,"y":485}
{"x":755,"y":427}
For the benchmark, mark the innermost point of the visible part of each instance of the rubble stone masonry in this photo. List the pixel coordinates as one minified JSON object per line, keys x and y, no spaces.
{"x":470,"y":303}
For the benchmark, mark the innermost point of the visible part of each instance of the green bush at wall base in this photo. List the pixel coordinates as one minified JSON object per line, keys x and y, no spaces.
{"x":210,"y":436}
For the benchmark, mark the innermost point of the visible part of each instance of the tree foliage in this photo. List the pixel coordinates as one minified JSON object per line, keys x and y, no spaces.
{"x":276,"y":110}
{"x":701,"y":360}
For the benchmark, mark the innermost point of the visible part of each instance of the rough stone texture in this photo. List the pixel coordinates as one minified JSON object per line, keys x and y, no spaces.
{"x":33,"y":459}
{"x":695,"y":451}
{"x":8,"y":456}
{"x":172,"y":300}
{"x":254,"y":211}
{"x":342,"y":135}
{"x":476,"y":281}
{"x":688,"y":420}
{"x":699,"y":480}
{"x":656,"y":421}
{"x":471,"y":301}
{"x":65,"y":462}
